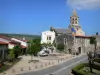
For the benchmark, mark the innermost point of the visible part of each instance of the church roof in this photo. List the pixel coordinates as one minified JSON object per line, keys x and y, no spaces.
{"x":62,"y":31}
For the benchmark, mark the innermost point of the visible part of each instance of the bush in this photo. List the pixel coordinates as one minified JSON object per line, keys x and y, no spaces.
{"x":76,"y":70}
{"x":11,"y":55}
{"x":97,"y":60}
{"x":95,"y":66}
{"x":60,"y":47}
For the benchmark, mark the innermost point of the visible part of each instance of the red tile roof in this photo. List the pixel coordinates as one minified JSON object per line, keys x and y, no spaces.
{"x":4,"y":37}
{"x":23,"y":46}
{"x":2,"y":42}
{"x":13,"y":42}
{"x":81,"y":36}
{"x":7,"y":38}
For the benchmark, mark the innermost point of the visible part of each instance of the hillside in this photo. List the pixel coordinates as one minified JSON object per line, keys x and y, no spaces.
{"x":26,"y":36}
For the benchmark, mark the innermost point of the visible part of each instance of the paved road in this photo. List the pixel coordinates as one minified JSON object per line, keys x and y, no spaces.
{"x":61,"y":69}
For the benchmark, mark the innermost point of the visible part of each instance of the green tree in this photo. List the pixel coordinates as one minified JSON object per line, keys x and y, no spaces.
{"x":54,"y":43}
{"x":34,"y":47}
{"x":49,"y":45}
{"x":60,"y":47}
{"x":11,"y":55}
{"x":93,"y":42}
{"x":37,"y":46}
{"x":17,"y":50}
{"x":44,"y":45}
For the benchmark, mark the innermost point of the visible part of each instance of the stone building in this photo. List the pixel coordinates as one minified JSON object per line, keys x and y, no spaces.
{"x":73,"y":37}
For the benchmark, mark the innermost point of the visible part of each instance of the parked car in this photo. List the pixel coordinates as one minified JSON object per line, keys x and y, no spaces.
{"x":44,"y":54}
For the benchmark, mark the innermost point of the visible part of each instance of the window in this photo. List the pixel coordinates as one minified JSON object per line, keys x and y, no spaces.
{"x":48,"y":37}
{"x":65,"y":41}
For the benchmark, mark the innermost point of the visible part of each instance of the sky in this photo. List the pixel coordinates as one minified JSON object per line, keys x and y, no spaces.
{"x":36,"y":16}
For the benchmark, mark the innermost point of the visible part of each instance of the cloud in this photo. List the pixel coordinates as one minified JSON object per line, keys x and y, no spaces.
{"x":84,"y":4}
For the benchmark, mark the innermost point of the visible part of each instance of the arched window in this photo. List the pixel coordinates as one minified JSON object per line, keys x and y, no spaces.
{"x":65,"y":41}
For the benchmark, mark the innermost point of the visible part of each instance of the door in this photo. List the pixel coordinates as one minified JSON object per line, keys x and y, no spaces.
{"x":79,"y":50}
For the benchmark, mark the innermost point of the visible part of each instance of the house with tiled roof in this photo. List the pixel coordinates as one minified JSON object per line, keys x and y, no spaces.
{"x":6,"y":44}
{"x":11,"y":43}
{"x":23,"y":43}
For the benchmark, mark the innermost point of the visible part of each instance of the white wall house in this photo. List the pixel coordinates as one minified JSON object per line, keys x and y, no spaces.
{"x":11,"y":46}
{"x":23,"y":43}
{"x":47,"y":37}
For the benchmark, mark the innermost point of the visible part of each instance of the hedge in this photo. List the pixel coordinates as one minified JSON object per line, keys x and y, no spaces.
{"x":76,"y":70}
{"x":95,"y":66}
{"x":97,"y":60}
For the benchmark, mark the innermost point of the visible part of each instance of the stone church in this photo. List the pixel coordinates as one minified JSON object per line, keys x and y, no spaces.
{"x":74,"y":39}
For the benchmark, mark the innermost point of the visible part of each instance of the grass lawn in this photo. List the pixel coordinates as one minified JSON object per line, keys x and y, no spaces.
{"x":7,"y":66}
{"x":87,"y":71}
{"x":3,"y":68}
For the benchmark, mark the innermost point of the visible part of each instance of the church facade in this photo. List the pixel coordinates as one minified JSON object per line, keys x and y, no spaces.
{"x":73,"y":38}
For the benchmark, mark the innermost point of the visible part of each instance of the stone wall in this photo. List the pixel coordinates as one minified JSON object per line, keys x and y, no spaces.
{"x":84,"y":43}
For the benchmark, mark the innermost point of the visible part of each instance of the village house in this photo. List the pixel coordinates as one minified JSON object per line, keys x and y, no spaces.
{"x":47,"y":37}
{"x":23,"y":43}
{"x":6,"y":44}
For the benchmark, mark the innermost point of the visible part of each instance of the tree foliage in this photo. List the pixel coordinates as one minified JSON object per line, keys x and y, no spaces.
{"x":60,"y":47}
{"x":34,"y":47}
{"x":54,"y":43}
{"x":17,"y":50}
{"x":11,"y":55}
{"x":44,"y":45}
{"x":92,"y":40}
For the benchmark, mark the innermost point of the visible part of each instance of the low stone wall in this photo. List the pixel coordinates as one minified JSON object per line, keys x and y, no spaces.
{"x":36,"y":66}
